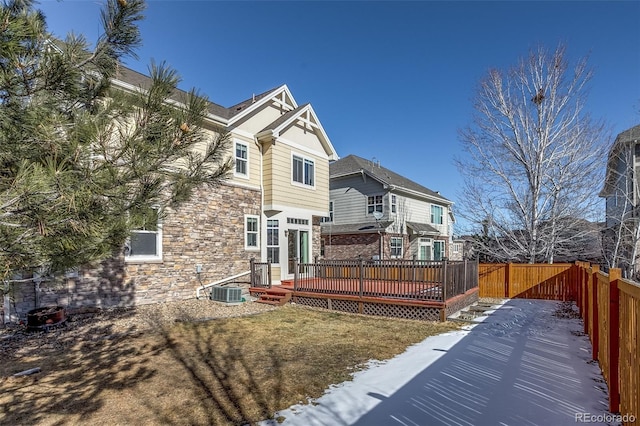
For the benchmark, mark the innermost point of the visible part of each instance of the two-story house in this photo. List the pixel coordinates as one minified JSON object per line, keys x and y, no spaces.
{"x":621,"y":191}
{"x":376,"y":213}
{"x":268,"y":209}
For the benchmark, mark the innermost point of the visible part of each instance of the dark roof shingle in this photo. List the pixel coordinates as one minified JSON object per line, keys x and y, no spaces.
{"x":352,"y":164}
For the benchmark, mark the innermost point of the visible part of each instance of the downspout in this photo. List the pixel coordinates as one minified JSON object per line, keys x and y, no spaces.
{"x":262,"y":217}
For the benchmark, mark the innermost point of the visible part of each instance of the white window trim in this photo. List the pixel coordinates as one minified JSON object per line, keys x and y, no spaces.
{"x":148,"y":258}
{"x":393,"y":204}
{"x":304,"y":159}
{"x":246,"y":233}
{"x":442,"y":252}
{"x":374,"y":204}
{"x":441,"y":215}
{"x":278,"y":247}
{"x":396,"y":256}
{"x":235,"y":173}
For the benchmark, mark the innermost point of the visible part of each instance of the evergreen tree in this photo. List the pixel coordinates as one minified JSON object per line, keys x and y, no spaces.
{"x":81,"y":161}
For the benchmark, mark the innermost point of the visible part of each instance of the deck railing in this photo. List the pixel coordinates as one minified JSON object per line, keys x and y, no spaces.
{"x":260,"y":274}
{"x":397,"y":278}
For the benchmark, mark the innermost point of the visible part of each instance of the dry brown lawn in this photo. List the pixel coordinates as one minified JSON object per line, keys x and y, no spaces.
{"x":223,"y":371}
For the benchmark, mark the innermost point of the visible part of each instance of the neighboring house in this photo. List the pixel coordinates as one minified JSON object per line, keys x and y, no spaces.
{"x":269,"y":209}
{"x":458,"y":249}
{"x":376,"y":213}
{"x":621,"y":191}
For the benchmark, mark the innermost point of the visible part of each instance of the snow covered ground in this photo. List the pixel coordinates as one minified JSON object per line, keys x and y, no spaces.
{"x":521,"y":366}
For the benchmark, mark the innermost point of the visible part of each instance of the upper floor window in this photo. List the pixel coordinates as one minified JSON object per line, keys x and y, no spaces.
{"x":374,"y":204}
{"x":242,"y":159}
{"x":303,"y":170}
{"x":145,"y":242}
{"x":436,"y":215}
{"x":394,"y":203}
{"x":251,"y":232}
{"x":330,"y":217}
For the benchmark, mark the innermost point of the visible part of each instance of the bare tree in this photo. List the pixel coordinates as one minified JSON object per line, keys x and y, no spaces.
{"x":532,"y":162}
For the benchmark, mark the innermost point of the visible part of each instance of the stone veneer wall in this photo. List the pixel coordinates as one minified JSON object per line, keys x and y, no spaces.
{"x":208,"y":230}
{"x":316,"y":236}
{"x":350,"y":246}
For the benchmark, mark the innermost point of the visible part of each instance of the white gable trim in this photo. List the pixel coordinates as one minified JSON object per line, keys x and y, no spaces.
{"x":278,"y":96}
{"x":308,"y":116}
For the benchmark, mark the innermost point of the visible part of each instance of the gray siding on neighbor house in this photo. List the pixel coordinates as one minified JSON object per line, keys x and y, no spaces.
{"x":349,"y":196}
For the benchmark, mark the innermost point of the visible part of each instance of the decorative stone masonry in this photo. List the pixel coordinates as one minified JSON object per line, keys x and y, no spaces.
{"x":208,"y":230}
{"x":350,"y":246}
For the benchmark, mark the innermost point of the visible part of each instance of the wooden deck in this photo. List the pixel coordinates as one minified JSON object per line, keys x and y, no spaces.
{"x":424,"y":291}
{"x":376,"y":300}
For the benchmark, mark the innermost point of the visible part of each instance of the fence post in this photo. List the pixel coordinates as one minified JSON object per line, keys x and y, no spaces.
{"x":269,"y":275}
{"x":614,"y":340}
{"x":295,"y":273}
{"x":464,"y":275}
{"x":507,"y":279}
{"x":444,"y":279}
{"x":361,"y":278}
{"x":587,"y":307}
{"x":252,"y":266}
{"x":595,"y":324}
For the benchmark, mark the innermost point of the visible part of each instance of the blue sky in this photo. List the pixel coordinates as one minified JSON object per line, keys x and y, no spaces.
{"x":388,"y":80}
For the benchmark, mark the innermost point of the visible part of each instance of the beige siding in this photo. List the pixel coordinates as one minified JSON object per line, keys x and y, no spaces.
{"x":281,"y":191}
{"x":253,"y":179}
{"x":260,"y":119}
{"x":301,"y":137}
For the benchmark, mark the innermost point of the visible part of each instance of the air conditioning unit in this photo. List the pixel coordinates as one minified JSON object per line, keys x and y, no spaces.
{"x":226,"y":294}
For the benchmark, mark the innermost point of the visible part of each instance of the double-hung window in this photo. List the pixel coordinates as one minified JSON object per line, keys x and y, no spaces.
{"x":394,"y":203}
{"x":303,"y":170}
{"x":145,"y":242}
{"x":436,"y":215}
{"x":242,"y":160}
{"x":273,"y":241}
{"x":251,"y":232}
{"x":396,"y":246}
{"x":374,"y":204}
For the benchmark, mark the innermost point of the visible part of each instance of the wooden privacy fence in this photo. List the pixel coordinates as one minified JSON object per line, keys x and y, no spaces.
{"x":529,"y":281}
{"x":610,"y":308}
{"x":608,"y":305}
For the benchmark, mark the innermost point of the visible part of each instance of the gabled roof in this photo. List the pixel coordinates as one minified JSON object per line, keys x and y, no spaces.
{"x":241,"y":106}
{"x":138,"y":80}
{"x":229,"y":116}
{"x":307,"y":116}
{"x":353,"y":164}
{"x":623,"y":139}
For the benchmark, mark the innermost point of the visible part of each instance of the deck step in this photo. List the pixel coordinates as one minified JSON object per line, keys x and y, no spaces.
{"x":273,"y":296}
{"x":269,"y":302}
